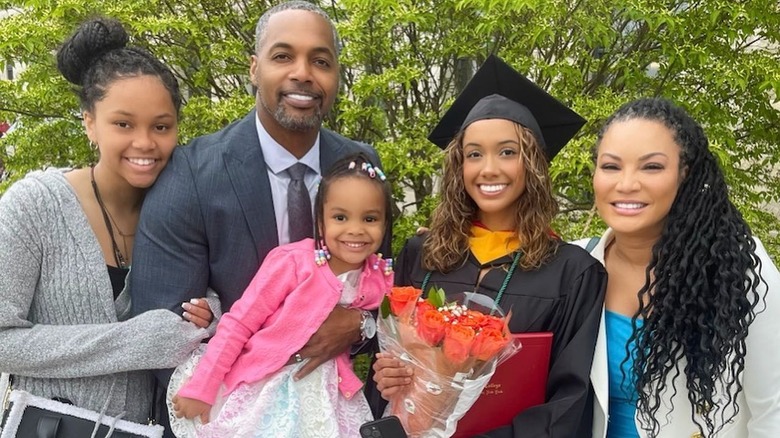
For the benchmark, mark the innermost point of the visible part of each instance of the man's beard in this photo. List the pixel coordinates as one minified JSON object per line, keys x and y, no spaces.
{"x":294,"y":123}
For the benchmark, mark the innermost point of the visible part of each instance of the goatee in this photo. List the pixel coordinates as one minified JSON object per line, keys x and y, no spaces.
{"x":290,"y":122}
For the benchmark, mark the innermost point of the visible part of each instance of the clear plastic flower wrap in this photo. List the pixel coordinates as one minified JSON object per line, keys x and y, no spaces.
{"x":452,"y":345}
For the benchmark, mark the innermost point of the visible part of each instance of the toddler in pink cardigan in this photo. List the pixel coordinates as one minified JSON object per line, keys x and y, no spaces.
{"x":243,"y":385}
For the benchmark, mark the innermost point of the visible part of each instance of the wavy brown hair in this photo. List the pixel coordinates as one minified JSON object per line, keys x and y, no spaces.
{"x":447,"y":245}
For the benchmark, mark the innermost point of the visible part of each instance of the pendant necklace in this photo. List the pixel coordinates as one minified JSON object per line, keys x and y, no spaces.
{"x":118,"y":257}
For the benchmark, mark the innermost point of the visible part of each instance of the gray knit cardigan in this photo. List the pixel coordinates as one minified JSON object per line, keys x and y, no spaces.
{"x":61,"y":331}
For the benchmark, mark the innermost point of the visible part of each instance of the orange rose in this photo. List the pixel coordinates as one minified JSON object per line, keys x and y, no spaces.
{"x":424,"y":305}
{"x":472,"y":319}
{"x":457,"y":343}
{"x":488,"y":343}
{"x":430,"y":325}
{"x":494,"y":322}
{"x":400,"y":297}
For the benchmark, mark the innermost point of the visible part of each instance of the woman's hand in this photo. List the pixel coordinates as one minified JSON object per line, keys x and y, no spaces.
{"x":191,"y":408}
{"x":198,"y":312}
{"x":391,"y":375}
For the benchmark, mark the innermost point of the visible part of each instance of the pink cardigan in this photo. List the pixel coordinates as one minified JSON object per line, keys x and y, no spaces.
{"x":286,"y":302}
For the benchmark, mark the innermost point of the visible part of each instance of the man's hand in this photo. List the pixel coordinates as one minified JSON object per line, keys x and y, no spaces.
{"x":191,"y":408}
{"x":335,"y":336}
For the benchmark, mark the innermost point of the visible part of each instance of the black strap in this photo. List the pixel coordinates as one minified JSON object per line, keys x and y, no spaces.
{"x":152,"y":420}
{"x":118,"y":257}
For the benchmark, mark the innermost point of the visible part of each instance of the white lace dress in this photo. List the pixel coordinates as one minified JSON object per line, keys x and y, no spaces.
{"x":278,"y":406}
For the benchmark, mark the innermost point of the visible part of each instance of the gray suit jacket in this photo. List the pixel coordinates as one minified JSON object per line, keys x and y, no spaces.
{"x":209,"y":219}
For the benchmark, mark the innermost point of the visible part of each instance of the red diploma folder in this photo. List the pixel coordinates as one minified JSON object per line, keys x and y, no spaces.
{"x":518,"y":383}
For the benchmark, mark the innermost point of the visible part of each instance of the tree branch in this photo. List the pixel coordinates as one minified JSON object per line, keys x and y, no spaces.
{"x":32,"y":114}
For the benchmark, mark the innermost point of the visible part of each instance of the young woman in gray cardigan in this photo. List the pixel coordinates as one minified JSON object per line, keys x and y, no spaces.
{"x":66,"y":241}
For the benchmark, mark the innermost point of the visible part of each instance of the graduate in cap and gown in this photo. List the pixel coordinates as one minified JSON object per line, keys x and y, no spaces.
{"x":491,"y":234}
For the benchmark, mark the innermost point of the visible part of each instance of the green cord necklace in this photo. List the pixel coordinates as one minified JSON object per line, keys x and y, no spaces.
{"x":508,"y":277}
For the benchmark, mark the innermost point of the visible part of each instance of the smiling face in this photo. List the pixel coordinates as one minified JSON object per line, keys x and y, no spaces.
{"x":353,"y":221}
{"x":296,"y":72}
{"x":637,"y":176}
{"x":493,"y":171}
{"x":135,"y":128}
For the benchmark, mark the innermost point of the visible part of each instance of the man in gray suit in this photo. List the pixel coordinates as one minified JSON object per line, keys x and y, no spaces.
{"x":221,"y":204}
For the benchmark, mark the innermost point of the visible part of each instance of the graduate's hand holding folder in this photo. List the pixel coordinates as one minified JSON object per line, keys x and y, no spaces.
{"x":453,"y":348}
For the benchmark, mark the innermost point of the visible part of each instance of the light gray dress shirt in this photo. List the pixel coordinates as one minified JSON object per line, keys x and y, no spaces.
{"x":277,"y":161}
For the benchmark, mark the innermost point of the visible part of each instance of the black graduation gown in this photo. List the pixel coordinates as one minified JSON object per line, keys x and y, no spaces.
{"x":565,"y":297}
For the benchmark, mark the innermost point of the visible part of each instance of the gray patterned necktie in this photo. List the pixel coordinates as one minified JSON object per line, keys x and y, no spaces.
{"x":298,"y":204}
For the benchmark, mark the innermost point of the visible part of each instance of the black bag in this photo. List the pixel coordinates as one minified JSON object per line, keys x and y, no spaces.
{"x":28,"y":416}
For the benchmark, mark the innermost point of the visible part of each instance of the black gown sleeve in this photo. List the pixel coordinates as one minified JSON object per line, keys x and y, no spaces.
{"x":566,"y":413}
{"x":406,"y":261}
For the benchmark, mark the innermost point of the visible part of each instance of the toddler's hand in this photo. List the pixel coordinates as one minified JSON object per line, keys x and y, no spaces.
{"x":191,"y":408}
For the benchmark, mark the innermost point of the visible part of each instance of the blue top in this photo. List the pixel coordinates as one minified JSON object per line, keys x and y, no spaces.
{"x":622,"y":395}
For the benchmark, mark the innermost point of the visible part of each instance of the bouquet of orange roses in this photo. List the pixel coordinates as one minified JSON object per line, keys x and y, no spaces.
{"x":452,"y":346}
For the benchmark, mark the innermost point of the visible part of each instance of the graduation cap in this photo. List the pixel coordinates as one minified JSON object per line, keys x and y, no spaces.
{"x":497,"y":91}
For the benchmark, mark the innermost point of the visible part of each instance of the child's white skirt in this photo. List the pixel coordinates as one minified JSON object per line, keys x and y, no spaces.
{"x":277,"y":406}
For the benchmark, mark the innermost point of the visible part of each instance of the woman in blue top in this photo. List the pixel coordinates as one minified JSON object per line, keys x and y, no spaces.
{"x":687,"y":345}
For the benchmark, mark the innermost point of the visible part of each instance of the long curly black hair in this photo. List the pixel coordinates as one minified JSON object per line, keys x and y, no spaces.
{"x":702,"y":287}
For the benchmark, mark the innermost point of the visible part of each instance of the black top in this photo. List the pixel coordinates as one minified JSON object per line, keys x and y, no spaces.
{"x":118,"y":276}
{"x":565,"y":297}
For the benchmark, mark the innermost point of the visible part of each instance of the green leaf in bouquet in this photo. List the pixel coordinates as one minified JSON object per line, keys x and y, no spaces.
{"x":436,"y":297}
{"x":384,"y":308}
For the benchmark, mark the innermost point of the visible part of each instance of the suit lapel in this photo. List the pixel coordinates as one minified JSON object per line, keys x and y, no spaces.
{"x":599,"y":377}
{"x":599,"y":372}
{"x":245,"y":166}
{"x":331,"y":150}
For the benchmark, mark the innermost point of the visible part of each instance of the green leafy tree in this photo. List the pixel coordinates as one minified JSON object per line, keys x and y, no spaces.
{"x":405,"y":61}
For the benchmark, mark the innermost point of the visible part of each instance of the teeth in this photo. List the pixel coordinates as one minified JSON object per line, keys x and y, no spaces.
{"x":492,"y":188}
{"x":629,"y":205}
{"x":299,"y":96}
{"x":354,"y":245}
{"x":142,"y":161}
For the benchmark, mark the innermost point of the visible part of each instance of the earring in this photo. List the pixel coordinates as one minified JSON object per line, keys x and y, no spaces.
{"x":321,"y":255}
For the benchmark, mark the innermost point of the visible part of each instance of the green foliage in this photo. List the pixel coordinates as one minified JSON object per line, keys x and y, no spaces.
{"x":404,"y":61}
{"x":436,"y":297}
{"x":384,"y":308}
{"x":361,"y":363}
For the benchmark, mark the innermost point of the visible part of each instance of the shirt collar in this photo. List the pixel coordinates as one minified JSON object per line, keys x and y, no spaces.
{"x":278,"y":159}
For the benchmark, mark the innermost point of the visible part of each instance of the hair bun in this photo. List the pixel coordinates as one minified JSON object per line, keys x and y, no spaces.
{"x":90,"y":41}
